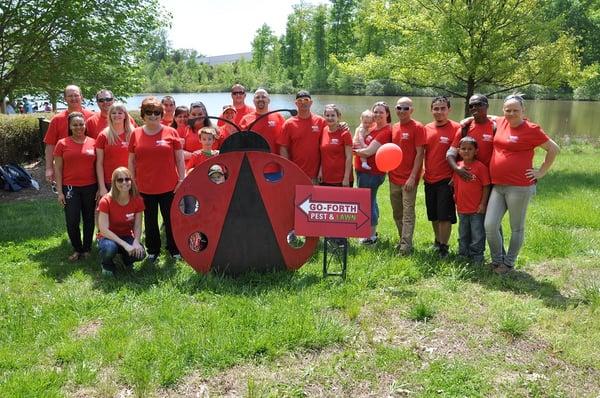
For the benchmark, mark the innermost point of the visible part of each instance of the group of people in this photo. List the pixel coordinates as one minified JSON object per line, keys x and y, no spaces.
{"x":102,"y":162}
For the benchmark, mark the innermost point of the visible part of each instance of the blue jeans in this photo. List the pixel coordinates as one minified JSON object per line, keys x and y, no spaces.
{"x":109,"y":249}
{"x":372,"y":182}
{"x":471,"y":236}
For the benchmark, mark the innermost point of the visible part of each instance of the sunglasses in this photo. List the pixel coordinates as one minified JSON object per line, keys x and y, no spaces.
{"x":476,"y":105}
{"x":402,"y":108}
{"x":238,"y":92}
{"x":121,"y":180}
{"x":150,"y":113}
{"x":105,"y":99}
{"x":303,"y":99}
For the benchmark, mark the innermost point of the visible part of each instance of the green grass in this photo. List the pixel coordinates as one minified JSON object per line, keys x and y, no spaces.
{"x":396,"y":326}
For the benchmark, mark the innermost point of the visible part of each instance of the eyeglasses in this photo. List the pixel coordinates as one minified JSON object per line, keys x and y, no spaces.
{"x":150,"y":113}
{"x":105,"y":99}
{"x":238,"y":92}
{"x":476,"y":105}
{"x":303,"y":99}
{"x":121,"y":180}
{"x":402,"y":108}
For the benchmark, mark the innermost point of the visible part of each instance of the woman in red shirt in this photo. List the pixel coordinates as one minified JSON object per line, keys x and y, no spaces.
{"x":120,"y":222}
{"x":196,"y":122}
{"x":156,"y":161}
{"x":112,"y":145}
{"x":514,"y":179}
{"x":74,"y":159}
{"x":336,"y":150}
{"x":373,"y":178}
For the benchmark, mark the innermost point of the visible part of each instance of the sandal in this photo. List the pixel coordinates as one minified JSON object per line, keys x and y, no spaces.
{"x":75,"y":256}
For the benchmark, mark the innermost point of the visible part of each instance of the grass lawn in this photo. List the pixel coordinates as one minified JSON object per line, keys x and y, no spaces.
{"x":412,"y":326}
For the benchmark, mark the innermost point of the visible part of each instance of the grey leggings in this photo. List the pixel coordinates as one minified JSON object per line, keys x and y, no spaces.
{"x":514,"y":199}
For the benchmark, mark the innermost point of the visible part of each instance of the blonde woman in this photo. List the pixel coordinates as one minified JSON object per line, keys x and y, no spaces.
{"x":120,"y":222}
{"x":112,"y":146}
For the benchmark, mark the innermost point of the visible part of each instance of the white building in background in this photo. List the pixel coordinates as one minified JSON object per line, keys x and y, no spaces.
{"x":224,"y":59}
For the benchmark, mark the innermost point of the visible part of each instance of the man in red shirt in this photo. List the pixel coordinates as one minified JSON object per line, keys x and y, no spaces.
{"x":301,"y":137}
{"x":238,"y":97}
{"x":99,"y":120}
{"x":482,"y":129}
{"x":438,"y":193}
{"x":59,"y":126}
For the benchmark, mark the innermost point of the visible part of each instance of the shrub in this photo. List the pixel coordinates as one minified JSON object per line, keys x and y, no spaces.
{"x":20,"y":138}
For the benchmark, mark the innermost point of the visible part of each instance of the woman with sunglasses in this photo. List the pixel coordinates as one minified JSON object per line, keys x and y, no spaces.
{"x":156,"y":162}
{"x":74,"y":159}
{"x":373,"y":178}
{"x":120,"y":222}
{"x":514,"y":179}
{"x":112,"y":146}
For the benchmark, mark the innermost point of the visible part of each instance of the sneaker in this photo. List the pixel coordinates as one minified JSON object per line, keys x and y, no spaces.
{"x":176,"y":257}
{"x":152,"y":258}
{"x":503,"y":269}
{"x":107,"y":272}
{"x":370,"y":241}
{"x":443,"y":250}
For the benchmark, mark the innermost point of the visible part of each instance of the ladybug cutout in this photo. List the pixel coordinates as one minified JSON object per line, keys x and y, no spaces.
{"x":244,"y":221}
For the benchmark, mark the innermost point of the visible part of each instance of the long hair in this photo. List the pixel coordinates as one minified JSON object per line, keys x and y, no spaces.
{"x":114,"y":192}
{"x":111,"y":132}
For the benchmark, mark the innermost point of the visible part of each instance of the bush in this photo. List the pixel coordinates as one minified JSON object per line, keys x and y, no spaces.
{"x":20,"y":138}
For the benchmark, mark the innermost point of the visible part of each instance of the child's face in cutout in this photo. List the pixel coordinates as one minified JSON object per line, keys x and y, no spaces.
{"x":207,"y":141}
{"x":467,"y":151}
{"x":217,"y":178}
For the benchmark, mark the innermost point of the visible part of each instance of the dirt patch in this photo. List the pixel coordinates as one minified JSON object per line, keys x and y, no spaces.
{"x":38,"y":172}
{"x":89,"y":329}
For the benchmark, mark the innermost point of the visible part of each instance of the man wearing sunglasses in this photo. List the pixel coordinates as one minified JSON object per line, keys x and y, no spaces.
{"x":59,"y":125}
{"x":99,"y":120}
{"x":238,"y":98}
{"x":481,"y":128}
{"x":301,"y":137}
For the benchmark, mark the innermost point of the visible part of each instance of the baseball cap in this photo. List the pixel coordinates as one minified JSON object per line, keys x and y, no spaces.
{"x":228,"y":107}
{"x":303,"y":94}
{"x":214,"y":169}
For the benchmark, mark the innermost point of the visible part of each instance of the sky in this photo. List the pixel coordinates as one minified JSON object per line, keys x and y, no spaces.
{"x":218,"y":27}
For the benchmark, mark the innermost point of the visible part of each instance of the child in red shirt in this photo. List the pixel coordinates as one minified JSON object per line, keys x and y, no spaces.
{"x":207,"y":139}
{"x":471,"y":201}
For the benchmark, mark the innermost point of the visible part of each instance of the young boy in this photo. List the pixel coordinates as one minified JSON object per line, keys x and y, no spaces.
{"x":471,"y":201}
{"x":216,"y":174}
{"x":207,"y":139}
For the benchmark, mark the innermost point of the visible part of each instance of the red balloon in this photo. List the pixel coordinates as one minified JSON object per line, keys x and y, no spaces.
{"x":388,"y":157}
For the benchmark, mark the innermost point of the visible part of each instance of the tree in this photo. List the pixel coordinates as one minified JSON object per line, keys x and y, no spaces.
{"x":315,"y":76}
{"x":47,"y":44}
{"x":460,"y":46}
{"x":262,"y":45}
{"x":341,"y":35}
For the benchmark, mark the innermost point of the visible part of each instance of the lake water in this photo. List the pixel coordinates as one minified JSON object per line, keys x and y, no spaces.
{"x":557,"y":118}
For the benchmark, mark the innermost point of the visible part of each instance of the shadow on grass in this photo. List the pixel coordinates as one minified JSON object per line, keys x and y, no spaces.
{"x":26,"y":220}
{"x":560,"y":182}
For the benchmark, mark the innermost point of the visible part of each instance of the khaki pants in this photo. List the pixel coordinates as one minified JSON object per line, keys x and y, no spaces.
{"x":403,"y":206}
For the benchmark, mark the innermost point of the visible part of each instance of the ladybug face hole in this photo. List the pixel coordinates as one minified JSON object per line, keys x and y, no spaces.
{"x":189,"y":205}
{"x":273,"y":172}
{"x":294,"y":240}
{"x":197,"y":242}
{"x":217,"y":174}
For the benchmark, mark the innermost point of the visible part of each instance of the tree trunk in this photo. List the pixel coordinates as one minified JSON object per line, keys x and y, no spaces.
{"x":470,"y":92}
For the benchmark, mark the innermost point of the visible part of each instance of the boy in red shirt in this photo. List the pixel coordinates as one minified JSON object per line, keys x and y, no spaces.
{"x":207,"y":138}
{"x":471,"y":201}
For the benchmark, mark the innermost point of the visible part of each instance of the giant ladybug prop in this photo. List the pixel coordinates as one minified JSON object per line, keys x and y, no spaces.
{"x":246,"y":222}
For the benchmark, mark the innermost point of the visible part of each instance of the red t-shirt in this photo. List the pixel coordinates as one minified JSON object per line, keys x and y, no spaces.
{"x":223,"y":134}
{"x":513,"y":152}
{"x":155,"y":167}
{"x":79,"y":161}
{"x":115,"y":155}
{"x":59,"y":126}
{"x":96,"y":123}
{"x":467,"y":194}
{"x":200,"y":157}
{"x":333,"y":154}
{"x":484,"y":135}
{"x":381,"y":135}
{"x":269,"y":127}
{"x":408,"y":137}
{"x":121,"y":218}
{"x":302,"y":137}
{"x":437,"y":142}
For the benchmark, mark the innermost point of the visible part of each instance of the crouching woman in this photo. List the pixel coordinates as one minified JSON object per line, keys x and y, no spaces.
{"x":120,"y":222}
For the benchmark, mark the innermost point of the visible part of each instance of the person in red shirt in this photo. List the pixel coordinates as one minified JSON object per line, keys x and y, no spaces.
{"x":227,"y":129}
{"x":438,"y":174}
{"x":74,"y":159}
{"x":514,"y":179}
{"x":238,"y":98}
{"x":59,"y":126}
{"x":372,"y":178}
{"x":197,"y":120}
{"x":156,"y":161}
{"x":471,"y":198}
{"x":120,"y":222}
{"x":168,"y":104}
{"x":207,"y":138}
{"x":301,"y":137}
{"x":336,"y":151}
{"x":479,"y":127}
{"x":112,"y":145}
{"x":99,"y":120}
{"x":180,"y":121}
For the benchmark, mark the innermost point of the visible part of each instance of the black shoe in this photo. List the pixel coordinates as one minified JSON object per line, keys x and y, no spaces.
{"x":443,"y":250}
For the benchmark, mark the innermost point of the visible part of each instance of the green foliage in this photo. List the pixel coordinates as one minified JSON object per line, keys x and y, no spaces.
{"x":421,"y":310}
{"x":20,"y":138}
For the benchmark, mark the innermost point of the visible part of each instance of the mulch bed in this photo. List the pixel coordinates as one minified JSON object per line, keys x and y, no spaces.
{"x":37,"y":171}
